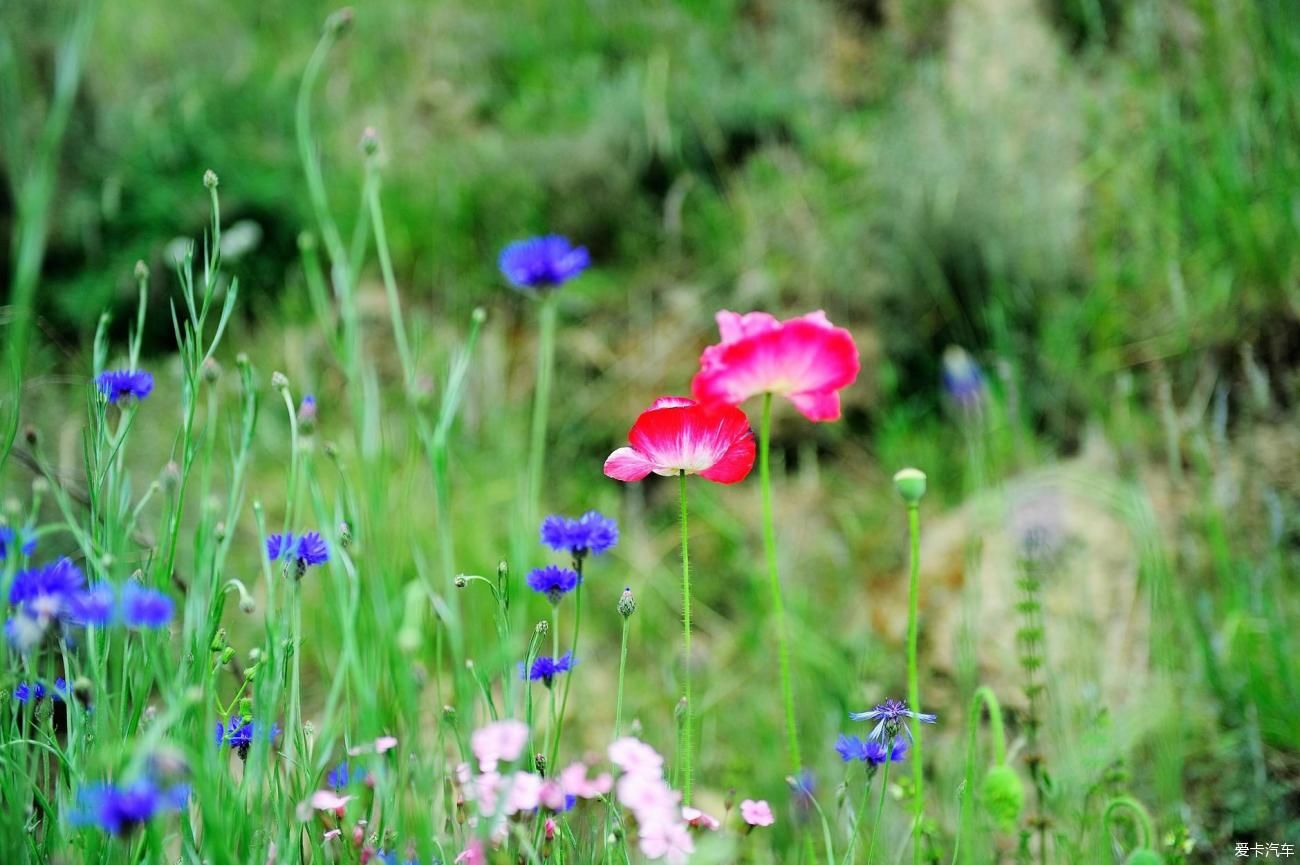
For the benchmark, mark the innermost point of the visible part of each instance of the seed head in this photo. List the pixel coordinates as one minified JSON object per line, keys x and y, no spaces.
{"x":210,"y":179}
{"x":910,"y":484}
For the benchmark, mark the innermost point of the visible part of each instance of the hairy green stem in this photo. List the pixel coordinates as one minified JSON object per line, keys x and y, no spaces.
{"x":686,"y":650}
{"x":622,"y":670}
{"x":983,"y":697}
{"x":541,"y":406}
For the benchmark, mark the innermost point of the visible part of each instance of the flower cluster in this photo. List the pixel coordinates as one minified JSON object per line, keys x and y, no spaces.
{"x":25,"y":692}
{"x":120,"y":385}
{"x":590,"y":534}
{"x":56,"y":593}
{"x":661,"y":825}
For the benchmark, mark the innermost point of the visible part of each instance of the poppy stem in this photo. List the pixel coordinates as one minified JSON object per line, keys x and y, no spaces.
{"x":774,"y":582}
{"x":913,"y":678}
{"x":686,"y":651}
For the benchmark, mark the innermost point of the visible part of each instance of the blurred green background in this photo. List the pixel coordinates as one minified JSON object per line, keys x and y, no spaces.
{"x":1099,"y":200}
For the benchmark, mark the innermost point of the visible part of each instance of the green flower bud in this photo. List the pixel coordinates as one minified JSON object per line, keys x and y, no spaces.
{"x":1003,"y":796}
{"x":210,"y":179}
{"x":626,"y":603}
{"x":910,"y":484}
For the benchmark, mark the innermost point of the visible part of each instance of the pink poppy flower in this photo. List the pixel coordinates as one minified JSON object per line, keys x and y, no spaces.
{"x":498,"y":741}
{"x":806,"y":359}
{"x":697,"y":818}
{"x":680,"y":435}
{"x":757,"y":813}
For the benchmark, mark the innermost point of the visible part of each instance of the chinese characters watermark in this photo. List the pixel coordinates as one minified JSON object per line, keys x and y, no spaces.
{"x":1269,"y":850}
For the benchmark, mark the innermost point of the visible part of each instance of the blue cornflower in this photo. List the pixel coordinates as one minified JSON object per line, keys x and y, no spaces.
{"x":301,"y":552}
{"x":891,"y":718}
{"x":342,"y":774}
{"x":23,"y":539}
{"x":47,"y":592}
{"x":553,"y":581}
{"x":590,"y":534}
{"x":542,"y":262}
{"x":119,"y":384}
{"x":962,"y":377}
{"x":870,"y":751}
{"x":24,"y":692}
{"x":145,"y":608}
{"x":546,"y":668}
{"x":94,"y":606}
{"x":121,"y":809}
{"x":239,"y":734}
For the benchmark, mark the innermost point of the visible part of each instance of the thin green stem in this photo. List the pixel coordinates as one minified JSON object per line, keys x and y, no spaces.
{"x":622,"y":669}
{"x":774,"y":583}
{"x":984,"y":696}
{"x":568,"y":678}
{"x":880,"y":805}
{"x":857,"y":819}
{"x":913,"y":675}
{"x":687,"y":730}
{"x":541,"y":406}
{"x":1141,"y":818}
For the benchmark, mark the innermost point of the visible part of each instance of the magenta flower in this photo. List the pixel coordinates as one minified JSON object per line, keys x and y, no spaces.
{"x":680,"y":435}
{"x":807,"y":360}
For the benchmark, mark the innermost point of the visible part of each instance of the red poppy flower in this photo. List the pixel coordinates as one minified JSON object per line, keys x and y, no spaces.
{"x":680,"y":435}
{"x":806,"y":359}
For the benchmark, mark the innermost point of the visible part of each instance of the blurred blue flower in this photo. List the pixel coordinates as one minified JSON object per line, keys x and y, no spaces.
{"x":94,"y":606}
{"x":342,"y":774}
{"x":25,"y":538}
{"x":302,"y":551}
{"x":852,"y":748}
{"x":962,"y":378}
{"x":121,"y":809}
{"x":47,"y":592}
{"x":119,"y":384}
{"x":590,"y":534}
{"x":145,"y":608}
{"x":542,"y":262}
{"x":546,"y":668}
{"x":239,"y":734}
{"x":553,"y":581}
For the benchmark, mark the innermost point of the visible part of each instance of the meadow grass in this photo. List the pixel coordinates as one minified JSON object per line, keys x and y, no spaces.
{"x":432,"y":451}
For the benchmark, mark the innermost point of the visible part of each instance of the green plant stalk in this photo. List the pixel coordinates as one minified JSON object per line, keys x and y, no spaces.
{"x":568,"y":678}
{"x":880,"y":805}
{"x":857,"y":820}
{"x":774,"y":583}
{"x":913,"y":672}
{"x":622,"y":670}
{"x":984,"y":696}
{"x":687,"y":715}
{"x":546,"y":319}
{"x":1139,"y":814}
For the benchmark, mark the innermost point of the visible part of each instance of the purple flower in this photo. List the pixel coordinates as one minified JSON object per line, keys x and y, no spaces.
{"x":47,"y":592}
{"x":891,"y":720}
{"x":852,"y":748}
{"x":121,"y":809}
{"x":342,"y":774}
{"x":25,"y":538}
{"x":553,"y":581}
{"x":240,"y":733}
{"x":590,"y":534}
{"x":546,"y":668}
{"x":307,"y":413}
{"x":542,"y":262}
{"x":120,"y":384}
{"x":145,"y":608}
{"x":94,"y":606}
{"x":962,"y":377}
{"x":302,"y":552}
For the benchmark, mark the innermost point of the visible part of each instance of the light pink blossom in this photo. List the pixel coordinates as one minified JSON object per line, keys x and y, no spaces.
{"x":635,"y":757}
{"x":667,"y":840}
{"x":328,"y":800}
{"x":574,"y":782}
{"x":757,"y":813}
{"x":523,"y":789}
{"x":497,"y":742}
{"x":473,"y":854}
{"x":697,"y":818}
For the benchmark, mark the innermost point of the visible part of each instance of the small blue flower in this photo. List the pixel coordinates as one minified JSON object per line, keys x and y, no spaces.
{"x":120,"y":384}
{"x":590,"y":534}
{"x":962,"y":377}
{"x":302,"y":552}
{"x":239,"y":734}
{"x":26,"y":541}
{"x":891,"y":717}
{"x":342,"y":774}
{"x":47,"y":592}
{"x":542,"y":262}
{"x":94,"y":606}
{"x":24,"y":692}
{"x":121,"y":809}
{"x":553,"y":581}
{"x":546,"y":668}
{"x":145,"y":608}
{"x":852,"y":748}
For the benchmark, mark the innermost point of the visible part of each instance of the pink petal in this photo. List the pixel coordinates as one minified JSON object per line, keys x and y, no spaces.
{"x":817,"y":405}
{"x":671,"y":402}
{"x":626,"y":464}
{"x":385,"y":743}
{"x":328,"y":800}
